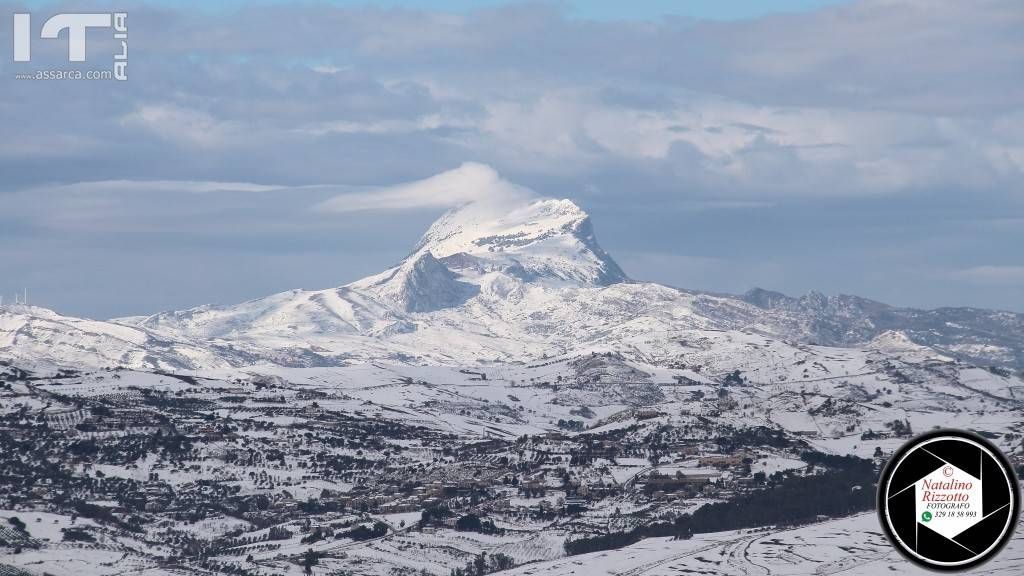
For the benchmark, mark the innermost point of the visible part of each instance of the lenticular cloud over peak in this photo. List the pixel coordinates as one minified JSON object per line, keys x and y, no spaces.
{"x":471,"y":182}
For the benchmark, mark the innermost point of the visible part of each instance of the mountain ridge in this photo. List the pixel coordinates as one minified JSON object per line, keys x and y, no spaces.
{"x":512,"y":285}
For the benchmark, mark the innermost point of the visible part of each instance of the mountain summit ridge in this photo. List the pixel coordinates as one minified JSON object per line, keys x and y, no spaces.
{"x":544,"y":241}
{"x":549,"y":238}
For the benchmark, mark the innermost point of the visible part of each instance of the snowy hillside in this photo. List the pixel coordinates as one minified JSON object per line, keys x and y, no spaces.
{"x":39,"y":335}
{"x":378,"y":468}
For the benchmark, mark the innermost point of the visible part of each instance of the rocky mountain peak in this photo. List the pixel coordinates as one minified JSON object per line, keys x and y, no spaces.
{"x":546,"y":239}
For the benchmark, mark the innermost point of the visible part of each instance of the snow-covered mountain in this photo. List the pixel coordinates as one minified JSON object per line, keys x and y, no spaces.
{"x":507,"y":354}
{"x":976,"y":335}
{"x":487,"y":285}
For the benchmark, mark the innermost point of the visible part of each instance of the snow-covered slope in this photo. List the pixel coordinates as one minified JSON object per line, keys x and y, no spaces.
{"x":484,"y":285}
{"x":36,"y":334}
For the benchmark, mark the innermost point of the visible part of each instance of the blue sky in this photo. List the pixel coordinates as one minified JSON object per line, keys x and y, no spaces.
{"x":872,"y":147}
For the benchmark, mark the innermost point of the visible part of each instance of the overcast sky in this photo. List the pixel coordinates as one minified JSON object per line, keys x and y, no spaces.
{"x":872,"y":148}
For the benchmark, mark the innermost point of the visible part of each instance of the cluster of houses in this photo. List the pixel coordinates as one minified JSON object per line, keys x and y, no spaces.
{"x":161,"y":461}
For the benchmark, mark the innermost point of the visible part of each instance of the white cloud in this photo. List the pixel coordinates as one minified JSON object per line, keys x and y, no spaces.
{"x":182,"y":125}
{"x":329,"y":69}
{"x":895,"y":97}
{"x":747,"y":149}
{"x":173,"y":186}
{"x":992,"y":275}
{"x":388,"y":126}
{"x":470,"y":182}
{"x":105,"y":205}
